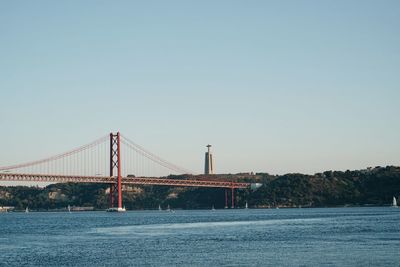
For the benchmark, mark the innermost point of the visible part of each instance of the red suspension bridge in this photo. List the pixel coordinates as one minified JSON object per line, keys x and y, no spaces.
{"x":101,"y":162}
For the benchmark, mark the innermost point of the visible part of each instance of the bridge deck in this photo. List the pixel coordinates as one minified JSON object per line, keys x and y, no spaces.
{"x":125,"y":180}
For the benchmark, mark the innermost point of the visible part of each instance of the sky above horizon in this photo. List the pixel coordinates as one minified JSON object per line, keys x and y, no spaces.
{"x":274,"y":86}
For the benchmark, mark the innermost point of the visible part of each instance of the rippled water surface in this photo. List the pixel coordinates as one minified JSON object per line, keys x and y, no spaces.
{"x":289,"y":237}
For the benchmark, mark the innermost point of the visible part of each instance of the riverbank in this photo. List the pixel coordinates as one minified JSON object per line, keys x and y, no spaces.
{"x":369,"y":187}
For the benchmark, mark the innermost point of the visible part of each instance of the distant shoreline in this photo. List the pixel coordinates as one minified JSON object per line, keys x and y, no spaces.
{"x":229,"y":209}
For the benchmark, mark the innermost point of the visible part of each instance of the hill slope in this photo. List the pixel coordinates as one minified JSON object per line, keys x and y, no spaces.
{"x":374,"y":186}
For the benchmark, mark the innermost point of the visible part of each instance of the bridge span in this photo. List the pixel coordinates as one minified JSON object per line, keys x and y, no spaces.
{"x":125,"y":180}
{"x":117,"y":156}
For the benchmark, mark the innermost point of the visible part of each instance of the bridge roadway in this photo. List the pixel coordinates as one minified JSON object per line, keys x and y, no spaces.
{"x":125,"y":180}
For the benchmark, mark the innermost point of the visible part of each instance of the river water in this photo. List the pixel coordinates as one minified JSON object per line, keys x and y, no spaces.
{"x":263,"y":237}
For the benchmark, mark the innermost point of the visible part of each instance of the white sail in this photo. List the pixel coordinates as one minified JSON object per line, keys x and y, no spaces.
{"x":247,"y":206}
{"x":26,"y":210}
{"x":394,"y":202}
{"x":159,"y":207}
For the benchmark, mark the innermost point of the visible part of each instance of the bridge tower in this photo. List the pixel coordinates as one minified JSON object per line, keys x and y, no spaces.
{"x":115,"y":166}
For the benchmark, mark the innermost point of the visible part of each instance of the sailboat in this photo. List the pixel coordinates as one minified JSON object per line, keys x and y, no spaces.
{"x":69,"y":208}
{"x":168,"y":209}
{"x":26,"y":210}
{"x":394,"y":204}
{"x":159,"y":208}
{"x":212,"y":209}
{"x":247,"y":206}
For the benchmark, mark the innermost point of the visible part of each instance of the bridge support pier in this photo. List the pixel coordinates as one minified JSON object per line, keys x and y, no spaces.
{"x":111,"y":200}
{"x":226,"y":198}
{"x":233,"y":198}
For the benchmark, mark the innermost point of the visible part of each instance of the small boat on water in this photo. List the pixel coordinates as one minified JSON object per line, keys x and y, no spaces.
{"x":394,"y":203}
{"x":212,"y":209}
{"x":159,"y":208}
{"x":247,"y":206}
{"x":116,"y":209}
{"x":26,"y":210}
{"x":168,"y":208}
{"x":69,"y":208}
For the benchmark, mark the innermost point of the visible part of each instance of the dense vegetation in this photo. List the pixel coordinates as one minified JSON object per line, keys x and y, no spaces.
{"x":374,"y":186}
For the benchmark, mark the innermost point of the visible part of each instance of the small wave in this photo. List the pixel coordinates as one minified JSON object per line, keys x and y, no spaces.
{"x":164,"y":229}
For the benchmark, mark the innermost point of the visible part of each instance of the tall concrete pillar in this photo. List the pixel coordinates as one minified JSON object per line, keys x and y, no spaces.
{"x":209,"y":163}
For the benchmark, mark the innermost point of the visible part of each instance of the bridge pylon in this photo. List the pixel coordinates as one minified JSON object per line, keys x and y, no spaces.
{"x":115,"y":168}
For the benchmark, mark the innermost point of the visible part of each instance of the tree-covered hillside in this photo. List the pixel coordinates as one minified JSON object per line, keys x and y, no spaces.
{"x":374,"y":186}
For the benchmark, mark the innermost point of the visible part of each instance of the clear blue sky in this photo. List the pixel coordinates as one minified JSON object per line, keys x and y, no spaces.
{"x":274,"y":86}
